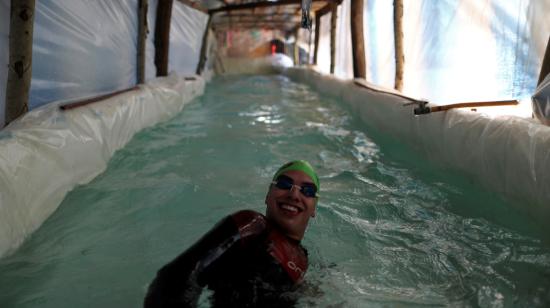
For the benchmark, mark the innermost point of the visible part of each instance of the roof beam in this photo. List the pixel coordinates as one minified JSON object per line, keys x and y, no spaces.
{"x":253,"y":5}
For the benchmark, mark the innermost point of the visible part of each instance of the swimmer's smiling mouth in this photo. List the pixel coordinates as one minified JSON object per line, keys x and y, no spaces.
{"x":294,"y":209}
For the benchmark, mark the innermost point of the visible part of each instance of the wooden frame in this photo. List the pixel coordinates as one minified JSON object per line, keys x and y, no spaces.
{"x":545,"y":67}
{"x":20,"y":59}
{"x":162,"y":36}
{"x":142,"y":40}
{"x":333,"y":17}
{"x":398,"y":43}
{"x":358,"y":39}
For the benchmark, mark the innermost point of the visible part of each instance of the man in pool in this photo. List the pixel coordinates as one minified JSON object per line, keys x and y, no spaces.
{"x":247,"y":259}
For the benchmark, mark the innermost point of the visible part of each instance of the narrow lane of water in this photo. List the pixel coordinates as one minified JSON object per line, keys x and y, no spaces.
{"x":390,"y":230}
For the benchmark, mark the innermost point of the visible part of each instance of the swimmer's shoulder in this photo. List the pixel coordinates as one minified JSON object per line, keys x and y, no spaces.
{"x":249,"y":222}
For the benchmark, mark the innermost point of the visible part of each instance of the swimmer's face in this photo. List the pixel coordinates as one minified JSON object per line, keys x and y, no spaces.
{"x":291,"y":209}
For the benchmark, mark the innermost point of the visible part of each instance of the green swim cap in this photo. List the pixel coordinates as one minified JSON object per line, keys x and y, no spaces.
{"x":299,"y":165}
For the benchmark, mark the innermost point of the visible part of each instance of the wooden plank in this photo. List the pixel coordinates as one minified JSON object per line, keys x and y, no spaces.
{"x":20,"y":59}
{"x":204,"y":47}
{"x":398,"y":43}
{"x":162,"y":36}
{"x":260,"y":19}
{"x":317,"y":34}
{"x":324,"y":10}
{"x":259,"y":4}
{"x":142,"y":39}
{"x":94,"y":99}
{"x":358,"y":39}
{"x":545,"y":68}
{"x":296,"y":47}
{"x":256,"y":15}
{"x":333,"y":17}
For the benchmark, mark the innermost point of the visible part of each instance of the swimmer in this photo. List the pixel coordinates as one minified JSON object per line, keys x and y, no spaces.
{"x":247,"y":259}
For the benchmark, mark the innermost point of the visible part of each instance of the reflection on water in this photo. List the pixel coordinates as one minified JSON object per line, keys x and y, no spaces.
{"x":390,"y":229}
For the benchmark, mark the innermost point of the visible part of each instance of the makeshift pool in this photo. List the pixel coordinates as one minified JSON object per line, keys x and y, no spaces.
{"x":390,"y":230}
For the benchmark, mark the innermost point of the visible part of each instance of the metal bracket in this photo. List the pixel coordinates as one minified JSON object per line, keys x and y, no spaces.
{"x":421,"y":109}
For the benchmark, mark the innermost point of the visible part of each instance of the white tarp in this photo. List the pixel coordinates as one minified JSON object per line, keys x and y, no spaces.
{"x":46,"y":153}
{"x":455,"y":51}
{"x":82,"y":48}
{"x":186,"y":32}
{"x":471,"y":50}
{"x":323,"y":51}
{"x":507,"y":154}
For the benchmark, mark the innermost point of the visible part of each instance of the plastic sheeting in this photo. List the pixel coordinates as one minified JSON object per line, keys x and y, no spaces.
{"x":468,"y":50}
{"x":4,"y":54}
{"x":509,"y":155}
{"x":186,"y":32}
{"x":455,"y":51}
{"x":46,"y":153}
{"x":541,"y":102}
{"x":323,"y":50}
{"x":82,"y":48}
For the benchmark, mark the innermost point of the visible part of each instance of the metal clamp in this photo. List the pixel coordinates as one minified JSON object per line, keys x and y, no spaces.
{"x":421,"y":109}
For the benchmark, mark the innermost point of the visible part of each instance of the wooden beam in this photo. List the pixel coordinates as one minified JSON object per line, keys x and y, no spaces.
{"x":236,"y":24}
{"x":358,"y":39}
{"x":252,"y":27}
{"x":204,"y":47}
{"x":296,"y":47}
{"x":20,"y":59}
{"x":257,"y":15}
{"x":162,"y":36}
{"x":333,"y":17}
{"x":324,"y":10}
{"x":259,"y":4}
{"x":142,"y":40}
{"x":545,"y":68}
{"x":398,"y":43}
{"x":288,"y":19}
{"x":317,"y":34}
{"x":91,"y":100}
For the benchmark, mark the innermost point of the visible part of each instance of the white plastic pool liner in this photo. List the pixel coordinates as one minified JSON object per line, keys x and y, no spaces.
{"x":541,"y":101}
{"x":48,"y":152}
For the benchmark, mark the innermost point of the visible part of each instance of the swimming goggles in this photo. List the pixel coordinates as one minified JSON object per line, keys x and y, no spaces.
{"x":286,"y":183}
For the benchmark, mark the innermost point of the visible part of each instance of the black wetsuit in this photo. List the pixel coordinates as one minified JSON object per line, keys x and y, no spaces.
{"x":244,"y":260}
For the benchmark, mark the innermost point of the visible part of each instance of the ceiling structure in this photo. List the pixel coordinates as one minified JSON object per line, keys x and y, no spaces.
{"x":284,"y":15}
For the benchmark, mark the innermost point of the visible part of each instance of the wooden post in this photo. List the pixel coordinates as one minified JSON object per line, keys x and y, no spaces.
{"x":142,"y":39}
{"x":162,"y":36}
{"x":358,"y":39}
{"x":333,"y":17}
{"x":296,"y":47}
{"x":20,"y":59}
{"x":545,"y":68}
{"x":398,"y":43}
{"x":204,"y":47}
{"x":317,"y":34}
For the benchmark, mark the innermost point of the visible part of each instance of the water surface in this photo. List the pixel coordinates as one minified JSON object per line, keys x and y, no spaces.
{"x":391,"y":229}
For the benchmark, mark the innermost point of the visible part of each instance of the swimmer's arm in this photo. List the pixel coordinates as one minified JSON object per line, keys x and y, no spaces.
{"x":180,"y":282}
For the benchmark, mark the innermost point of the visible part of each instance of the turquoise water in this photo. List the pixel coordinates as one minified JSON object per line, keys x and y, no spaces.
{"x":391,"y":230}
